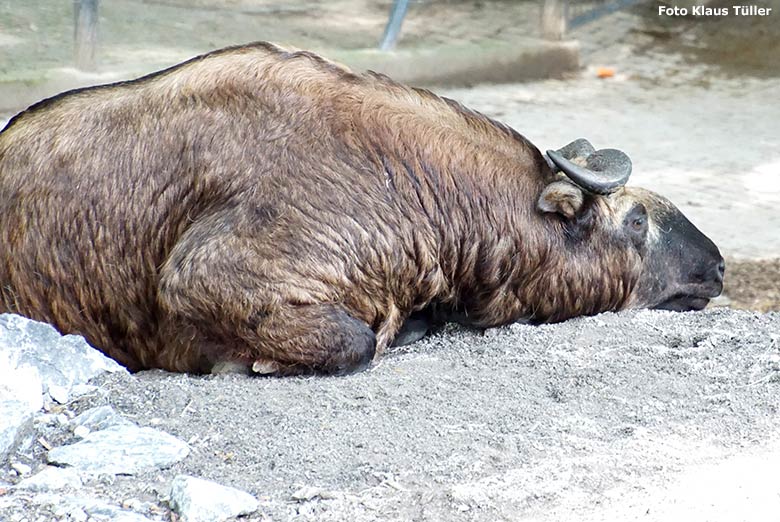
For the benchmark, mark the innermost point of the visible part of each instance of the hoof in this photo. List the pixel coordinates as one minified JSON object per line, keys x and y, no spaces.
{"x":265,"y":367}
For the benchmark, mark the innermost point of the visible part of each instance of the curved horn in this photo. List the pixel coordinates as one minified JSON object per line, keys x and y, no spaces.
{"x":604,"y":172}
{"x":579,"y":148}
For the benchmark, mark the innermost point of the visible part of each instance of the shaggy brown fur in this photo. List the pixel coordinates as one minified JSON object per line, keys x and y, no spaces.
{"x":255,"y":204}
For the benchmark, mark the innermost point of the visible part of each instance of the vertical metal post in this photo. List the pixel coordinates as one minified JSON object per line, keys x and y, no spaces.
{"x":393,"y":27}
{"x":85,"y":34}
{"x":554,"y":18}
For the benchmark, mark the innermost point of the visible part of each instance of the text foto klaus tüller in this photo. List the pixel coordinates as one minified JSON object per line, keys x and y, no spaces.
{"x":701,"y":10}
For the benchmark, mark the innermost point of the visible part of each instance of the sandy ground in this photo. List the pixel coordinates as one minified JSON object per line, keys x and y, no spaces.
{"x":652,"y":416}
{"x":636,"y":416}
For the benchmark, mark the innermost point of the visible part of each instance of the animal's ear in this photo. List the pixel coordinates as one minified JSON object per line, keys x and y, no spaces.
{"x":561,"y":197}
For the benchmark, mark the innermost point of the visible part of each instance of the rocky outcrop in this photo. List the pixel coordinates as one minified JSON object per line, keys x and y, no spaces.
{"x":43,"y":373}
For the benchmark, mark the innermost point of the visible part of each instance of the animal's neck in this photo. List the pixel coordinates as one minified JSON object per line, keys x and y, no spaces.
{"x":469,"y":188}
{"x":488,"y":239}
{"x":529,"y":271}
{"x":570,"y":283}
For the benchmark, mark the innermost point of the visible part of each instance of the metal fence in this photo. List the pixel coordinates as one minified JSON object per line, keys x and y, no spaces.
{"x":558,"y":16}
{"x":85,"y":34}
{"x":583,"y":12}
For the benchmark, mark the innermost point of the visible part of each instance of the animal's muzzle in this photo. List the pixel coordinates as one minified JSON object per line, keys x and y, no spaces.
{"x":712,"y":280}
{"x":696,"y":296}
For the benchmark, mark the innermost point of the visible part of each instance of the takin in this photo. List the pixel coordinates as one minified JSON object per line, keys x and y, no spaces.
{"x":261,"y":209}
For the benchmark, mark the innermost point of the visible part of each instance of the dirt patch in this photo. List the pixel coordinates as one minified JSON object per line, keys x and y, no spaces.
{"x":753,"y":285}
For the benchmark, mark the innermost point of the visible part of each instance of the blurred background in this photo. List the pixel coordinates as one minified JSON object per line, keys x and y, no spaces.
{"x":694,"y":100}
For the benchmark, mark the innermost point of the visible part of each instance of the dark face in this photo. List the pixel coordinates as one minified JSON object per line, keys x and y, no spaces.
{"x":682,"y":268}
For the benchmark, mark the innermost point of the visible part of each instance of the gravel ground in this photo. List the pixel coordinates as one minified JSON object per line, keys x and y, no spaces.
{"x":754,"y":285}
{"x":594,"y":417}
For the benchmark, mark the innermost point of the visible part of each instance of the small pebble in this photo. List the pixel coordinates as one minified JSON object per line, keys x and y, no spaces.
{"x":21,"y":469}
{"x":307,"y":493}
{"x":78,"y":515}
{"x":60,"y":394}
{"x":81,"y":431}
{"x":198,"y":500}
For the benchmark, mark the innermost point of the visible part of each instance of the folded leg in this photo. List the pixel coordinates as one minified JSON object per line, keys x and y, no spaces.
{"x":225,"y":304}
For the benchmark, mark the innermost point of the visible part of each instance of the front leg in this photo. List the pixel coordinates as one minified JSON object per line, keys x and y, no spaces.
{"x":413,"y":329}
{"x":283,"y":340}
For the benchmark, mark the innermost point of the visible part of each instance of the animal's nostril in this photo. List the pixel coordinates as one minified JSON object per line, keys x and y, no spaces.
{"x":722,"y":268}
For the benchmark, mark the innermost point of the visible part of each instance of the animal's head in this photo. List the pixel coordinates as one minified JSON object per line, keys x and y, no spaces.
{"x":670,"y":264}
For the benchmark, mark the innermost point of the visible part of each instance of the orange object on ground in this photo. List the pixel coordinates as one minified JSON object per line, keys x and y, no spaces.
{"x":605,"y":72}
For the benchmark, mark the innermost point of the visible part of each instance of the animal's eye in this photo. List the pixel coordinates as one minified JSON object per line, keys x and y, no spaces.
{"x":638,"y":223}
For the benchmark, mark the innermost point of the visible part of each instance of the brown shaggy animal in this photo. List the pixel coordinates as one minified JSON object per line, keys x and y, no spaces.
{"x":270,"y":209}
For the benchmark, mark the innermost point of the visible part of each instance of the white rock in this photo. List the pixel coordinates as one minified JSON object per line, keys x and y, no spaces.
{"x":77,"y":515}
{"x":16,"y":420}
{"x":121,"y":450}
{"x":21,"y":468}
{"x":100,"y":418}
{"x":81,"y":431}
{"x":60,"y":394}
{"x":20,"y":383}
{"x":46,"y":419}
{"x":307,"y":493}
{"x":52,"y":478}
{"x":199,"y":500}
{"x":61,"y":361}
